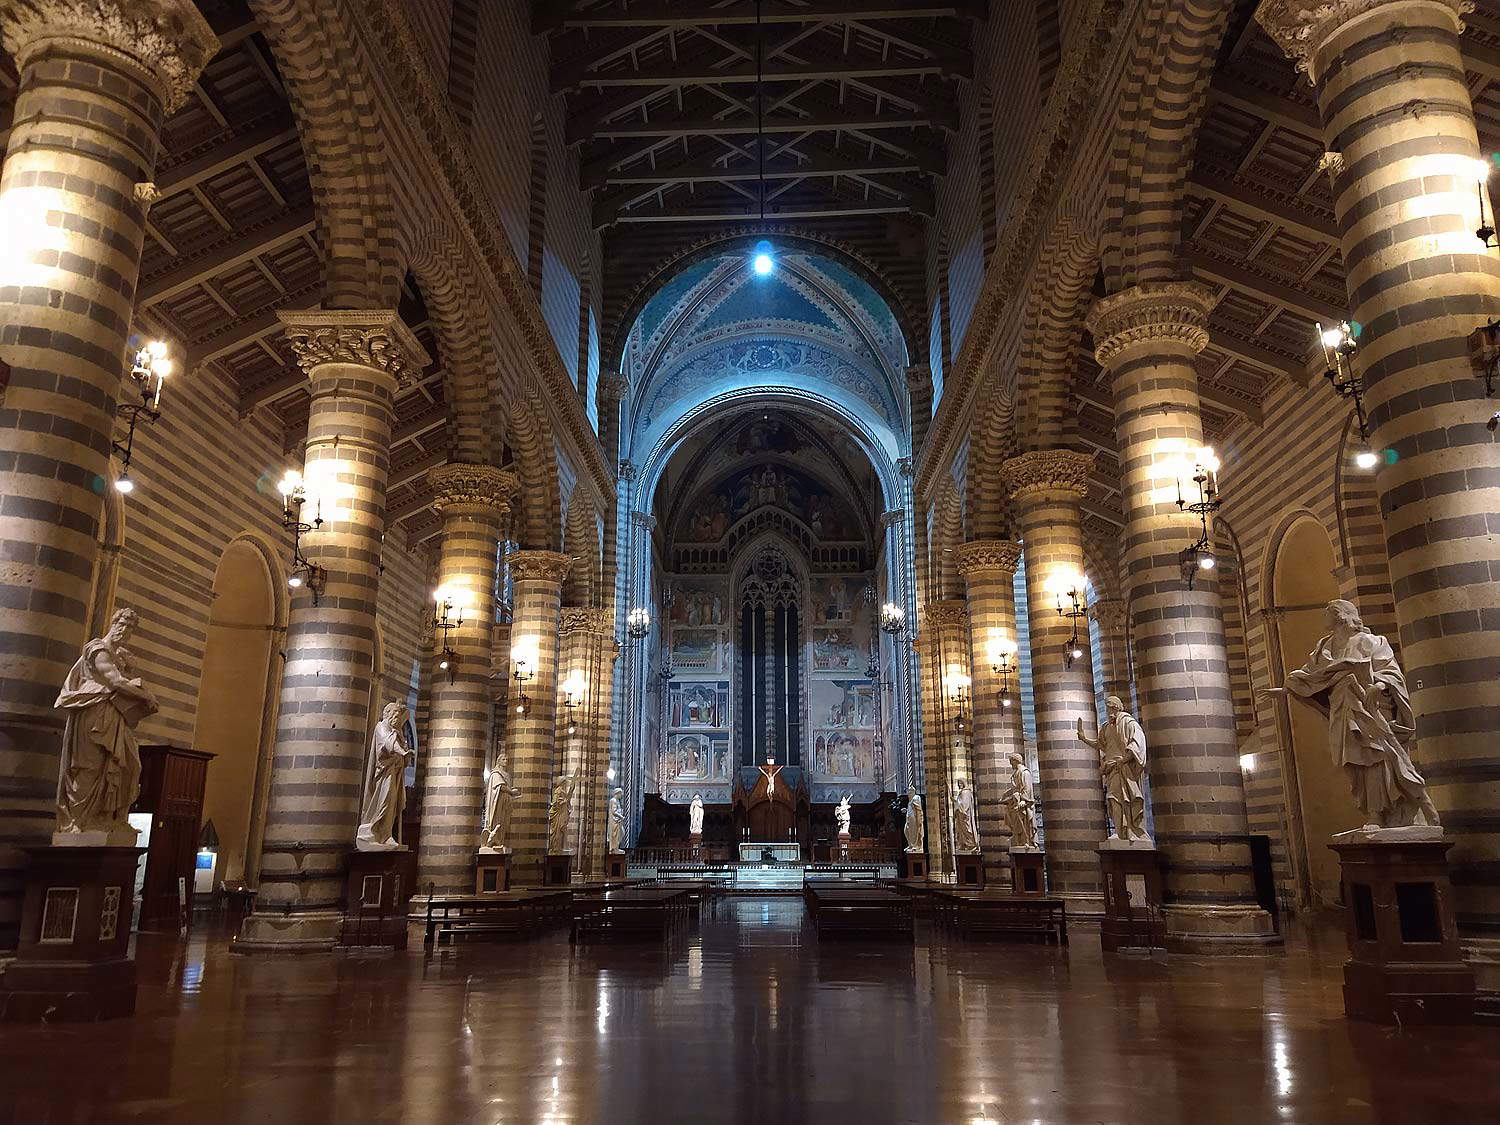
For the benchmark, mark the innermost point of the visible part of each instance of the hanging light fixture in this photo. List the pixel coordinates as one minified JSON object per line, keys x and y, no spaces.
{"x":148,"y":371}
{"x":1205,"y":475}
{"x":763,"y":257}
{"x":304,"y":572}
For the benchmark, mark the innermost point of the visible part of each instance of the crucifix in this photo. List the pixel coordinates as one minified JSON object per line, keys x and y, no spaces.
{"x":770,"y":769}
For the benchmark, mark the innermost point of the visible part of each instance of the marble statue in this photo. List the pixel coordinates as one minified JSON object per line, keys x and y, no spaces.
{"x":965,"y":830}
{"x":695,"y":816}
{"x":1020,"y":804}
{"x":557,"y":815}
{"x":916,"y":827}
{"x":1122,"y":760}
{"x":385,"y":783}
{"x":101,"y":765}
{"x":1352,"y":677}
{"x":617,"y":821}
{"x":842,"y":815}
{"x":499,"y":805}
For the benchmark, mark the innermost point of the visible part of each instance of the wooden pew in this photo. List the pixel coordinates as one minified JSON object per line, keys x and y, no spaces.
{"x":506,"y":913}
{"x":843,"y":908}
{"x":635,"y":912}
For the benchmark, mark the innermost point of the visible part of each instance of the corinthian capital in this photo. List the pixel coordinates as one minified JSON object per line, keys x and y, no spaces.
{"x":954,"y":612}
{"x":988,"y":554}
{"x":1167,"y":312}
{"x":542,"y":566}
{"x":379,"y":340}
{"x":579,"y":619}
{"x":1301,"y":28}
{"x":163,"y":43}
{"x":1110,"y":613}
{"x":480,"y":486}
{"x":1063,"y":471}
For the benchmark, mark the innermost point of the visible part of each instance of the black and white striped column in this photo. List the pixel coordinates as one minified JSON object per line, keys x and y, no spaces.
{"x":355,"y":360}
{"x":96,"y":82}
{"x":531,"y":734}
{"x":474,"y":502}
{"x":944,"y":648}
{"x":1398,"y":120}
{"x":1146,"y":338}
{"x":989,"y":570}
{"x":1046,"y":489}
{"x":1112,"y":617}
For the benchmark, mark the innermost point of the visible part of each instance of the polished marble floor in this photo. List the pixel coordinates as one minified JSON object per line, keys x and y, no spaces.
{"x":746,"y":1019}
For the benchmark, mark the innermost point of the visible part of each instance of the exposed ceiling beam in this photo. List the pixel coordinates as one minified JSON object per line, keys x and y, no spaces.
{"x":246,"y":245}
{"x":257,"y":327}
{"x":710,"y":171}
{"x":1275,"y":108}
{"x":287,"y":383}
{"x":832,"y":121}
{"x":1263,"y":288}
{"x":828,"y":210}
{"x":1257,"y":355}
{"x":549,"y":15}
{"x":1097,"y":395}
{"x":253,"y":142}
{"x":742,"y":74}
{"x":417,"y":470}
{"x":1263,"y":204}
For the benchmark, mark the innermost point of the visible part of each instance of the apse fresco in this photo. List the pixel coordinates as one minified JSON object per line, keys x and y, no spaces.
{"x":696,"y":602}
{"x":703,"y":704}
{"x":717,"y":510}
{"x":834,"y":600}
{"x":697,"y":757}
{"x":844,"y":726}
{"x":696,"y":649}
{"x":833,"y":650}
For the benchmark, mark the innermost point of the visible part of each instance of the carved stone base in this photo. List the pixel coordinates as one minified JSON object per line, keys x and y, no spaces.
{"x":270,"y":931}
{"x":614,"y":865}
{"x":913,"y":865}
{"x":376,"y":893}
{"x":970,"y":869}
{"x":1028,"y":868}
{"x":1132,"y":898}
{"x":558,"y":870}
{"x":73,"y":963}
{"x":1405,"y":964}
{"x":491,"y":871}
{"x":1220,"y":929}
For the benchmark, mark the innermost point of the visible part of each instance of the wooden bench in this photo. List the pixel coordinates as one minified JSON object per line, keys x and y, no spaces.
{"x":845,"y":908}
{"x":508,"y":913}
{"x":989,"y":914}
{"x":634,"y":912}
{"x":840,"y":873}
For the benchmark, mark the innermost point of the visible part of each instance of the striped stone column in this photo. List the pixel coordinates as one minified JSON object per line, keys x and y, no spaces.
{"x":612,"y":389}
{"x":1146,"y":338}
{"x":536,"y":602}
{"x":919,"y":395}
{"x":355,"y":361}
{"x":1046,"y":489}
{"x":96,"y":81}
{"x":989,"y":570}
{"x":473,"y":501}
{"x":1112,"y":617}
{"x":944,"y":647}
{"x":597,"y":650}
{"x":1391,"y":88}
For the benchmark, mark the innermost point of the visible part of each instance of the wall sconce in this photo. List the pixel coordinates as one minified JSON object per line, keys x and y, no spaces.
{"x":1205,"y":474}
{"x":638,"y":622}
{"x":892,"y":619}
{"x":449,"y":615}
{"x":1339,"y":344}
{"x":304,"y":572}
{"x":1067,"y":588}
{"x":1484,"y":355}
{"x":523,"y":657}
{"x":573,"y":688}
{"x":958,"y":693}
{"x":1486,"y":232}
{"x":1002,"y":653}
{"x":148,"y":371}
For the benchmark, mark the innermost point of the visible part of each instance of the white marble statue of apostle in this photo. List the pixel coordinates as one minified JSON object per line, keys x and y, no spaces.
{"x":965,"y":829}
{"x":557,"y":815}
{"x":1352,"y":677}
{"x":499,"y":805}
{"x":1020,"y":804}
{"x":385,"y":783}
{"x":103,"y":700}
{"x":695,"y":816}
{"x":1122,"y":761}
{"x":916,"y":826}
{"x":842,"y":815}
{"x":617,"y":821}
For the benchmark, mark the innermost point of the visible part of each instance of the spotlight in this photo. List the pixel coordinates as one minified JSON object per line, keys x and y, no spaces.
{"x":1206,"y":562}
{"x":1366,"y":459}
{"x":763,"y":261}
{"x":127,"y":486}
{"x":294,"y":581}
{"x":1076,"y":653}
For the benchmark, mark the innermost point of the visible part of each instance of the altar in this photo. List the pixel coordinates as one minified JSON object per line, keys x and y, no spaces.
{"x":783,"y":852}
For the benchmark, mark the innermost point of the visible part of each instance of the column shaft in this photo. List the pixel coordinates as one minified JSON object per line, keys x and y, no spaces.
{"x":1046,"y":487}
{"x":94,"y":88}
{"x":945,"y":650}
{"x":473,"y":501}
{"x":1114,"y":646}
{"x":1395,"y":102}
{"x":537,"y":578}
{"x":1146,"y":338}
{"x":354,"y":361}
{"x":989,"y":568}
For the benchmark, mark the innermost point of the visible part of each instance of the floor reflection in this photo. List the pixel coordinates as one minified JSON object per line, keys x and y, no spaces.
{"x":744,"y":1018}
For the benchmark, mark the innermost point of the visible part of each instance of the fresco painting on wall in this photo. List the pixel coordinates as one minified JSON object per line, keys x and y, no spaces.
{"x":833,"y":649}
{"x":834,"y":599}
{"x":694,"y":705}
{"x":741,"y":493}
{"x":696,"y":649}
{"x":698,"y":757}
{"x":844,"y":755}
{"x":696,"y":603}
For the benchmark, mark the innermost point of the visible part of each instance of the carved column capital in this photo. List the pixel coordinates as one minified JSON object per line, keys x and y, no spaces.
{"x":379,"y":340}
{"x":165,"y":44}
{"x":643,"y":519}
{"x":1110,"y":613}
{"x":892,"y":518}
{"x":954,"y":612}
{"x":1169,"y":312}
{"x":1054,"y":471}
{"x":612,"y":387}
{"x":474,"y":486}
{"x":988,"y":554}
{"x":919,"y":375}
{"x":586,"y":619}
{"x":540,"y":566}
{"x":1302,"y":28}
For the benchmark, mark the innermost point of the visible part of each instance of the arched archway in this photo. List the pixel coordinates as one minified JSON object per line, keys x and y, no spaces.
{"x":237,"y":700}
{"x":1319,"y":804}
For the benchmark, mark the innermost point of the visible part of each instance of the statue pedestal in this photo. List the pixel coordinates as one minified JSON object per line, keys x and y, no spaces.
{"x":913,"y":865}
{"x":614,"y":865}
{"x":1132,"y":896}
{"x":73,"y":963}
{"x":843,"y":847}
{"x":491,"y":871}
{"x":970,"y":869}
{"x":1405,"y":965}
{"x":557,"y":870}
{"x":695,"y":842}
{"x":376,"y":892}
{"x":1028,"y":871}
